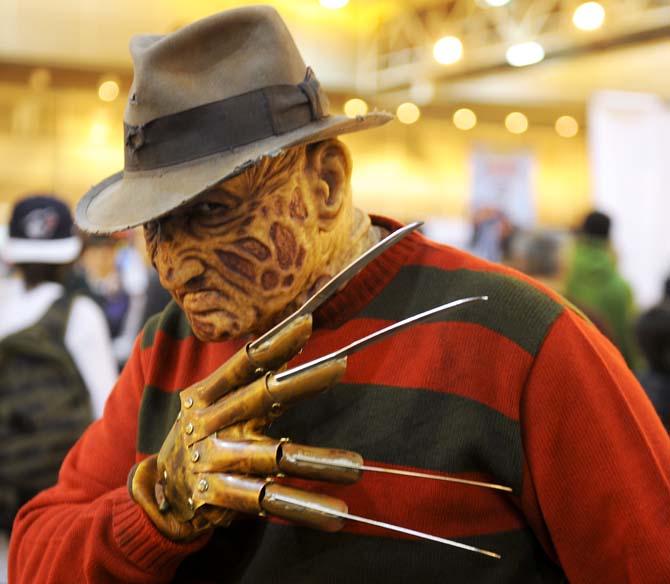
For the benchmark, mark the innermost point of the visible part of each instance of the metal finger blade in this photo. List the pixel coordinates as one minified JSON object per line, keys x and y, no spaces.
{"x":335,"y":283}
{"x":395,"y":471}
{"x":379,"y":335}
{"x":420,"y":534}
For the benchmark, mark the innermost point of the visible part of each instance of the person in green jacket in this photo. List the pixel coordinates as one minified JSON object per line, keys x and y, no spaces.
{"x":595,"y":285}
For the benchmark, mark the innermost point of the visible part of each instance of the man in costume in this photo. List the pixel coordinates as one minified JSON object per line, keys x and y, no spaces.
{"x":233,"y":168}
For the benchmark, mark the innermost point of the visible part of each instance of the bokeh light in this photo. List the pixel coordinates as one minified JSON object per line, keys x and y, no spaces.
{"x":333,"y":4}
{"x":108,"y":90}
{"x":588,"y":16}
{"x":464,"y":119}
{"x":408,"y":113}
{"x":516,"y":123}
{"x":523,"y":54}
{"x":448,"y":50}
{"x":355,"y":107}
{"x":566,"y":126}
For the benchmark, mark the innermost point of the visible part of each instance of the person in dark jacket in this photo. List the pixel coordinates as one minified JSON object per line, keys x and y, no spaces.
{"x":653,"y":335}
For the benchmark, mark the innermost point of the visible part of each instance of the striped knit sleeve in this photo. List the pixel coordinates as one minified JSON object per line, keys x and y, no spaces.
{"x":599,"y":459}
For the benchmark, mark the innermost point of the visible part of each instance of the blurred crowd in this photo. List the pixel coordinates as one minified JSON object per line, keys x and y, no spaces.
{"x":581,"y":265}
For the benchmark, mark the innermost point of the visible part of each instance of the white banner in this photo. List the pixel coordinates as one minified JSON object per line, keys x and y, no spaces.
{"x":629,"y":147}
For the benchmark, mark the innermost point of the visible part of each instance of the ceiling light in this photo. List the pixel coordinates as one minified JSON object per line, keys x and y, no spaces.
{"x":523,"y":54}
{"x":355,"y":107}
{"x":589,"y":16}
{"x":333,"y":4}
{"x":566,"y":126}
{"x":108,"y":90}
{"x":448,"y":50}
{"x":516,"y":123}
{"x":408,"y":113}
{"x":464,"y":119}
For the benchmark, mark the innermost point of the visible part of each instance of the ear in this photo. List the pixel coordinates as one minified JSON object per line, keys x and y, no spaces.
{"x":329,"y":168}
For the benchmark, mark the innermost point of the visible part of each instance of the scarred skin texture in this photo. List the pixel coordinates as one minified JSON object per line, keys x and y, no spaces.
{"x":243,"y":255}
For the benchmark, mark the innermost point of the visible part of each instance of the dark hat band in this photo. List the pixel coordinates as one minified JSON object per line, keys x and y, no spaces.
{"x":224,"y":125}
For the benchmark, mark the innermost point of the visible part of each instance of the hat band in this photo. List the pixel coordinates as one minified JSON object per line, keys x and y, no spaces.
{"x":223,"y":125}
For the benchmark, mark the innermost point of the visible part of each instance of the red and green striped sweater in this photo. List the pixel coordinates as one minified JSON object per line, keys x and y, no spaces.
{"x":520,"y":390}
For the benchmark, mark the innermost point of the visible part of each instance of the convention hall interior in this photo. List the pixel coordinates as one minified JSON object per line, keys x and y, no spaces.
{"x":514,"y":119}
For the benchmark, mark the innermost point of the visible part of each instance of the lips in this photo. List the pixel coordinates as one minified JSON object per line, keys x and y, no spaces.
{"x":204,"y":301}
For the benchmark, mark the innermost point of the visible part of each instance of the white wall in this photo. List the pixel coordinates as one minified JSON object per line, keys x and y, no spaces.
{"x":629,"y":148}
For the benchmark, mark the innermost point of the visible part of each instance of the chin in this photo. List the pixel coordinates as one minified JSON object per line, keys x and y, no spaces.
{"x":214,"y":327}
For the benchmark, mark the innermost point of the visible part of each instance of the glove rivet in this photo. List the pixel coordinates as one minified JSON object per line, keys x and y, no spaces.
{"x":165,"y":475}
{"x":275,"y":407}
{"x":284,"y":440}
{"x":203,"y":485}
{"x":195,"y":456}
{"x":188,"y":403}
{"x":190,"y":503}
{"x":259,"y":371}
{"x":189,"y":428}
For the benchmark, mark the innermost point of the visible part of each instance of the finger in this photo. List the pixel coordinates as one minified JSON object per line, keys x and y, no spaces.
{"x":248,"y":364}
{"x":262,"y":397}
{"x":289,"y":503}
{"x":262,"y":456}
{"x":258,"y":496}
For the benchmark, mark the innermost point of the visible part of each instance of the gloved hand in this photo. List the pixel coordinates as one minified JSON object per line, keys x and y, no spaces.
{"x":215,"y":460}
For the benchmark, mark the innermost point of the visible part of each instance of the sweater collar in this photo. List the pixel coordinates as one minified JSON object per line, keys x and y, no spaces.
{"x":368,"y":283}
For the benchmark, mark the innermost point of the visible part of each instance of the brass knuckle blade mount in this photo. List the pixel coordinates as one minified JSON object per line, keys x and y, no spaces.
{"x":260,"y":496}
{"x":304,"y":507}
{"x":327,"y":464}
{"x":265,"y":456}
{"x":248,"y":364}
{"x":264,"y":396}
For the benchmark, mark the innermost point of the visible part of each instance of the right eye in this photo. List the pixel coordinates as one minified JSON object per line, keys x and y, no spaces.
{"x":208,"y":207}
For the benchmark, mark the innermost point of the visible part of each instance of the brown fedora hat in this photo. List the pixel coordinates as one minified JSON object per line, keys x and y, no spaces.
{"x":208,"y":101}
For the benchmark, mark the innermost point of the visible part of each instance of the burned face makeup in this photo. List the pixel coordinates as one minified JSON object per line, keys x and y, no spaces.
{"x":244,"y":254}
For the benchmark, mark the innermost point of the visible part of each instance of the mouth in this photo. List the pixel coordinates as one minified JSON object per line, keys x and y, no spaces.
{"x":203,"y":302}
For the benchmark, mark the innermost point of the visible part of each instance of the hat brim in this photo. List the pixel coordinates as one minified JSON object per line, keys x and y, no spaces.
{"x":128,"y":199}
{"x":18,"y":250}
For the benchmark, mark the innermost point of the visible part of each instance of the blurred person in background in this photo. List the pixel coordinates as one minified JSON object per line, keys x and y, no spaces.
{"x":653,"y":334}
{"x":40,"y":249}
{"x":234,"y":167}
{"x":539,"y":254}
{"x":492,"y":232}
{"x":594,"y":284}
{"x":117,"y":279}
{"x":56,"y":361}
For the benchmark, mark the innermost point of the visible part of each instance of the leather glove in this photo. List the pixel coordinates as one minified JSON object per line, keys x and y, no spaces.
{"x":215,"y":460}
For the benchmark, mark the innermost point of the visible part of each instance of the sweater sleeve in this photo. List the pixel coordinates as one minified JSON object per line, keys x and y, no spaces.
{"x":598,"y":458}
{"x":87,"y":528}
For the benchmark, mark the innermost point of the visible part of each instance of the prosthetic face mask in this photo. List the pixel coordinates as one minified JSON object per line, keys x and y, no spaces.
{"x":245,"y":254}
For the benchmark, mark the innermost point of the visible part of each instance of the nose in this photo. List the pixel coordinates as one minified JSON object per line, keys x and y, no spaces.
{"x":173,"y":260}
